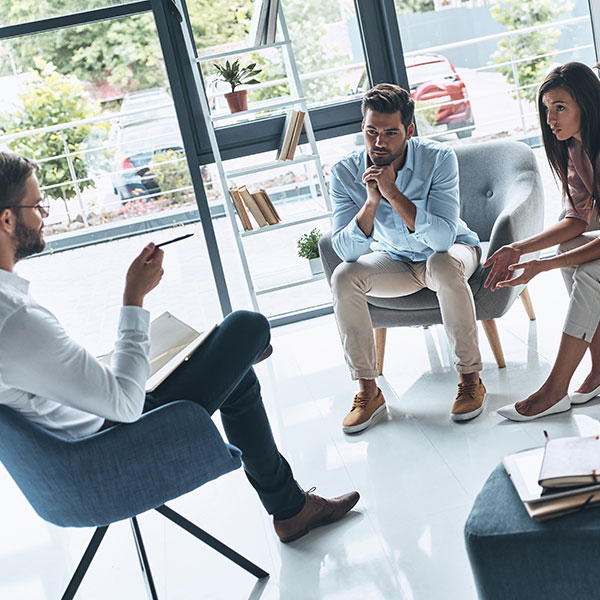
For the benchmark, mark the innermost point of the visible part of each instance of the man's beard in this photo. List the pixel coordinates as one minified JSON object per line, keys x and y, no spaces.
{"x":28,"y":240}
{"x":383,"y":161}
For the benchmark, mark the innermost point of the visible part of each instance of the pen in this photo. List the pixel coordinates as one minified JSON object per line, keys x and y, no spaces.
{"x":181,"y":237}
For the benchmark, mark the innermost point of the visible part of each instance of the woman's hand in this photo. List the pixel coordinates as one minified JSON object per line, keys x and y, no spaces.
{"x":530,"y":269}
{"x":500,"y":262}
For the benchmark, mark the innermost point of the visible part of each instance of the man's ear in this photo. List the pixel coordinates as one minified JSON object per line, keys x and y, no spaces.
{"x":362,"y":125}
{"x":7,"y":220}
{"x":410,"y":131}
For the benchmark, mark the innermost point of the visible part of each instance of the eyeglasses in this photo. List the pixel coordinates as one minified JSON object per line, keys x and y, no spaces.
{"x":42,"y":207}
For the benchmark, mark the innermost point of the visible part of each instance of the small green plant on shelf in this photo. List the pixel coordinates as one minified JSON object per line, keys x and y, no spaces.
{"x":235,"y":75}
{"x":308,"y":244}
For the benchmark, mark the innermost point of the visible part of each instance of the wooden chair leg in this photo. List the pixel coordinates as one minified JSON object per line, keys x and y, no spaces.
{"x":380,"y":348}
{"x":491,"y":331}
{"x":526,"y":300}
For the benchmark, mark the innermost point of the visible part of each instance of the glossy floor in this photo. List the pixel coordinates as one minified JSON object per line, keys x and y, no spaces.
{"x":417,"y":472}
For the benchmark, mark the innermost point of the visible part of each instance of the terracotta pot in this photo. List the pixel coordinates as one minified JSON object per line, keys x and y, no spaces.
{"x":238,"y":101}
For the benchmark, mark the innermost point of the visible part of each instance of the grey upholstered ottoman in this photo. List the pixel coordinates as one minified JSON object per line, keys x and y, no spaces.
{"x":514,"y":557}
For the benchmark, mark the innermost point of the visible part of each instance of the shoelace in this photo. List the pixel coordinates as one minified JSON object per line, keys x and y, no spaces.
{"x":360,"y":401}
{"x":468,"y":389}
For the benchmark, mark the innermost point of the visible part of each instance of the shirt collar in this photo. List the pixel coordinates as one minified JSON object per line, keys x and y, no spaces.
{"x":13,"y":280}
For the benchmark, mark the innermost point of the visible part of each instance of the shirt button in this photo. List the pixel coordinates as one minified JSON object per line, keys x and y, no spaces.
{"x":489,"y":193}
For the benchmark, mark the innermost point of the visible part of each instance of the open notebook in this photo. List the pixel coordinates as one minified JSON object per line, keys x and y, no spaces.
{"x":171,"y":342}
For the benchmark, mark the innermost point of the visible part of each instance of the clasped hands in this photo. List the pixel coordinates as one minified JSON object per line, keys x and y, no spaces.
{"x":504,"y":263}
{"x":380,"y":180}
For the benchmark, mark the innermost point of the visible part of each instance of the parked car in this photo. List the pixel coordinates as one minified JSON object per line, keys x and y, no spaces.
{"x":434,"y":81}
{"x":147,"y":128}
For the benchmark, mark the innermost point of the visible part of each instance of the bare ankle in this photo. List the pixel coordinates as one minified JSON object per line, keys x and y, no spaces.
{"x":368,"y":387}
{"x":469,"y":377}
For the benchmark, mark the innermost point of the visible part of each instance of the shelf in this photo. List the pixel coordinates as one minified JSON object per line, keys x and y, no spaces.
{"x":265,"y":106}
{"x":243,"y":50}
{"x":276,"y":164}
{"x":285,"y":224}
{"x":285,"y":286}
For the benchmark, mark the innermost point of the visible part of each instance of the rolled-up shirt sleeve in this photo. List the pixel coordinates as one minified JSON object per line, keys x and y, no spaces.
{"x":38,"y":357}
{"x":436,"y":223}
{"x":348,"y":239}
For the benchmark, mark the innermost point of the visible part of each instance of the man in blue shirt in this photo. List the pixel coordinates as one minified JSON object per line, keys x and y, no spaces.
{"x":399,"y":199}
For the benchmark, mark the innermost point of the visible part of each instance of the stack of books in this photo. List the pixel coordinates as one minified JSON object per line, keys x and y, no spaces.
{"x":560,"y":478}
{"x":290,"y":135}
{"x":258,"y":204}
{"x":263,"y":25}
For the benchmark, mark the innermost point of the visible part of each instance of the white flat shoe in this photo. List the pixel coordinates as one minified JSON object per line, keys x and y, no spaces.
{"x":583,"y":397}
{"x":510,"y":412}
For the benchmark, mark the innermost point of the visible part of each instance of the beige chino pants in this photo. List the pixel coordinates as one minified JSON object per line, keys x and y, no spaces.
{"x":583,"y":285}
{"x":377,"y":274}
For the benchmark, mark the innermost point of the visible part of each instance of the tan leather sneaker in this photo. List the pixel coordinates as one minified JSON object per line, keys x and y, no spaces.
{"x":364,"y":410}
{"x":469,"y":402}
{"x":317,"y":511}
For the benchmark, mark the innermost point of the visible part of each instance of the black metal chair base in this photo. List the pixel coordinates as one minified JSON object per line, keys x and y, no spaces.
{"x":209,"y":540}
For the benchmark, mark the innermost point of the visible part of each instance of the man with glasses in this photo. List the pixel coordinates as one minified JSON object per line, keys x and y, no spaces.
{"x":56,"y":383}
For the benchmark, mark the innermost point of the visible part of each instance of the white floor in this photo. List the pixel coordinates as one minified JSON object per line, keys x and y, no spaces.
{"x":417,"y":472}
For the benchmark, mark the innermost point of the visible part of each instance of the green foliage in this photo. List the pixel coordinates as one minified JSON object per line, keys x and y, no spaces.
{"x":171,"y":173}
{"x":234,"y":74}
{"x":404,"y":7}
{"x":49,"y":99}
{"x":426,"y":116}
{"x":515,"y":15}
{"x":308,"y":244}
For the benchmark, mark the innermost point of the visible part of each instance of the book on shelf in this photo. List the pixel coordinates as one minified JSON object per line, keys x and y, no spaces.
{"x":242,"y":213}
{"x":172,"y":342}
{"x":571,"y":461}
{"x":266,"y":206}
{"x":252,"y":206}
{"x":541,"y":503}
{"x":290,"y":135}
{"x":271,"y":33}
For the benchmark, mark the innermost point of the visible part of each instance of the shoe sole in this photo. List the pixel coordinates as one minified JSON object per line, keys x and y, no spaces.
{"x":470,"y":415}
{"x":297,"y":536}
{"x":588,"y":398}
{"x":367,"y":423}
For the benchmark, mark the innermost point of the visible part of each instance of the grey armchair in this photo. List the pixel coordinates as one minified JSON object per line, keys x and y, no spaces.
{"x":501,"y":199}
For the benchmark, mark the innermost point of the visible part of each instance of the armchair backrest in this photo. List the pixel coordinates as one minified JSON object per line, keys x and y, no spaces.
{"x":117,"y":473}
{"x":489,"y":174}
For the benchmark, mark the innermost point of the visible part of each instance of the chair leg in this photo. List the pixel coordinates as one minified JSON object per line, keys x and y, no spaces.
{"x":491,"y":331}
{"x":214,"y":543}
{"x":144,"y":563}
{"x":84,"y":563}
{"x":380,"y":334}
{"x":526,"y":300}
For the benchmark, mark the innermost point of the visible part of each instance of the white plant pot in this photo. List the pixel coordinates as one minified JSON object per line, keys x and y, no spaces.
{"x":316,"y":266}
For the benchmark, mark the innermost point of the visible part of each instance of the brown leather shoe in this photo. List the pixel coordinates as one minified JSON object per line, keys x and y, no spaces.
{"x":469,"y":402}
{"x":317,"y":511}
{"x":364,"y":410}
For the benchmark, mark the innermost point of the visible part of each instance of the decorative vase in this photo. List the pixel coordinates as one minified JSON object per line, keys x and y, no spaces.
{"x":237,"y":101}
{"x":316,"y":266}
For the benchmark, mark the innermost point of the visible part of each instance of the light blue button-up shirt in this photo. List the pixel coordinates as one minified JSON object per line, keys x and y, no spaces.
{"x":429,"y":179}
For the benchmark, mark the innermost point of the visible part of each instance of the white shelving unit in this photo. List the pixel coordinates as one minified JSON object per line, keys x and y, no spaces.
{"x":297,"y":101}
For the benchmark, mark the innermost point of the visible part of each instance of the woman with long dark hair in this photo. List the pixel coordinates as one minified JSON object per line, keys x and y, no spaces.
{"x":569,"y":109}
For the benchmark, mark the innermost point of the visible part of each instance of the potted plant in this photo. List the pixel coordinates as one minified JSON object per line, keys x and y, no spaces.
{"x":235,"y":75}
{"x":308,"y":247}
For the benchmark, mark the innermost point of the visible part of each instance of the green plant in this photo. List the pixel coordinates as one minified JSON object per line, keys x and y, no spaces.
{"x":308,"y":244}
{"x":529,"y":54}
{"x":234,"y":74}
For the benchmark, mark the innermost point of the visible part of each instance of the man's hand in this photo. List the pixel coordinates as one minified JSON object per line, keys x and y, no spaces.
{"x":383,"y":176}
{"x":500,"y":261}
{"x":143,"y":275}
{"x":530,"y":268}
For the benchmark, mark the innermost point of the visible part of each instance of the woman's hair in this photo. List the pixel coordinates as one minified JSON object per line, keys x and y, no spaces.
{"x":584,"y":86}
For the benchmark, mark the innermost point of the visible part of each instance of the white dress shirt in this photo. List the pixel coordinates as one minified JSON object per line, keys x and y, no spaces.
{"x":57,"y":383}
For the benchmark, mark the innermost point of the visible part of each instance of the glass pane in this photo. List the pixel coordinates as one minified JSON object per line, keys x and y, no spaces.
{"x":474,"y":67}
{"x":92,"y":105}
{"x":325,"y":39}
{"x":26,"y":11}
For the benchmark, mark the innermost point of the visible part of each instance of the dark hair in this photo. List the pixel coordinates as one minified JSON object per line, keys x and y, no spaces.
{"x":14,"y":172}
{"x":389,"y":98}
{"x":584,"y":86}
